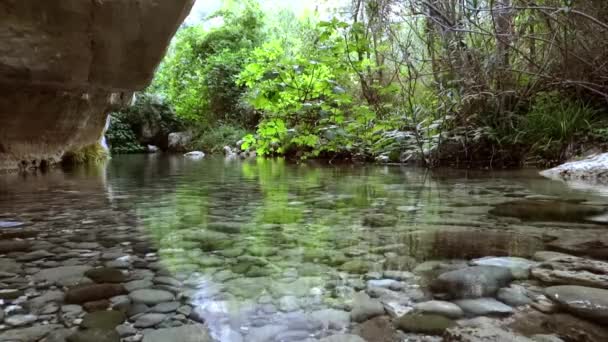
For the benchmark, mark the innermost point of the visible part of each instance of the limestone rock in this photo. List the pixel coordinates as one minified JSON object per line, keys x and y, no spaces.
{"x":365,"y":307}
{"x":93,"y":292}
{"x":105,"y":320}
{"x":89,"y":55}
{"x":586,"y":302}
{"x":64,"y":275}
{"x":441,"y":308}
{"x":422,"y":323}
{"x":519,"y":267}
{"x":342,"y":338}
{"x":150,"y":296}
{"x":483,"y":307}
{"x":592,"y":169}
{"x":573,"y":271}
{"x":179,"y":141}
{"x":34,"y":333}
{"x":472,"y":282}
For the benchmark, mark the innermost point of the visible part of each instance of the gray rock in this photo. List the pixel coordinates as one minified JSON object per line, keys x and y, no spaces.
{"x":20,"y":320}
{"x":573,"y":271}
{"x":105,"y":275}
{"x":265,"y":333}
{"x":592,"y":169}
{"x":549,"y":255}
{"x":178,"y":141}
{"x":519,"y":267}
{"x":35,"y":255}
{"x":151,"y":297}
{"x":10,"y":224}
{"x":10,"y":266}
{"x":331,"y":318}
{"x":30,"y":334}
{"x":421,"y":323}
{"x":149,"y":320}
{"x":365,"y":308}
{"x":97,"y":335}
{"x":441,"y":308}
{"x":195,"y":155}
{"x":105,"y":320}
{"x":472,"y":282}
{"x":64,"y":275}
{"x":545,"y":338}
{"x":138,"y":285}
{"x":165,"y":307}
{"x":399,"y":275}
{"x":483,"y":307}
{"x":289,"y":303}
{"x":482,"y":333}
{"x":515,"y":296}
{"x":585,"y":302}
{"x":342,"y":338}
{"x":167,"y":281}
{"x":124,"y":330}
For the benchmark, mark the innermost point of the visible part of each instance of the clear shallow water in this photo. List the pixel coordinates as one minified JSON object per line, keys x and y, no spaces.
{"x":265,"y":242}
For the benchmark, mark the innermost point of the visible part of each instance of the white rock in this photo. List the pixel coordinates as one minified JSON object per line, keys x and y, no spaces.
{"x":195,"y":155}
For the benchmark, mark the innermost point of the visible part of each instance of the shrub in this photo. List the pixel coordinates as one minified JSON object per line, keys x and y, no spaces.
{"x":213,"y":140}
{"x":553,"y":122}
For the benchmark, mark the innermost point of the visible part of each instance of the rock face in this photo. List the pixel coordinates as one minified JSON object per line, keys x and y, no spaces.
{"x":64,"y":64}
{"x":594,"y":169}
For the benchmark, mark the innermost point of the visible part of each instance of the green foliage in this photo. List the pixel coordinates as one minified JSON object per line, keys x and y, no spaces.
{"x":198,"y":75}
{"x":214,"y":140}
{"x":148,"y":121}
{"x":380,"y":86}
{"x":92,"y":154}
{"x":120,"y":135}
{"x":554,"y":121}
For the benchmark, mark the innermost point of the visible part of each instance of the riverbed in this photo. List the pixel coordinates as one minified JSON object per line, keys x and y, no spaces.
{"x":159,"y":247}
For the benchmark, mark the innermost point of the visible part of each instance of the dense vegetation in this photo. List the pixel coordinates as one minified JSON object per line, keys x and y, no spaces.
{"x":440,"y":82}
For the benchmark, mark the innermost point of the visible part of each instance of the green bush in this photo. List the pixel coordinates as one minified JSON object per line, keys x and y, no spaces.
{"x":554,"y":121}
{"x":120,"y":135}
{"x":213,"y":140}
{"x":92,"y":154}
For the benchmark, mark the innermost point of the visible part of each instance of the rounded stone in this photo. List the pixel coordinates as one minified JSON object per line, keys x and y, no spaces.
{"x":438,"y":307}
{"x":150,"y":296}
{"x":424,"y":323}
{"x":105,"y":320}
{"x":585,"y":302}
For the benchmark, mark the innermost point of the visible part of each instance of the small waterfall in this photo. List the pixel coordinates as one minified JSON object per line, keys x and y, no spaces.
{"x":102,"y":142}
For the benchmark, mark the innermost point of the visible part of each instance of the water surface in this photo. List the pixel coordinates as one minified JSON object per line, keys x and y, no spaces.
{"x":266,"y":242}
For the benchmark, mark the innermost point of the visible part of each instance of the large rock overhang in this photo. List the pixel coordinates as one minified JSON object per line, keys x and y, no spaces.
{"x":63,"y":64}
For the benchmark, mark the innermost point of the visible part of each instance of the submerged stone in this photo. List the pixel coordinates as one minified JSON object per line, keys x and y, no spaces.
{"x":441,"y":308}
{"x":365,"y":307}
{"x":11,"y":224}
{"x":473,"y":282}
{"x":484,"y":307}
{"x":422,"y":323}
{"x":93,"y":292}
{"x":379,"y":220}
{"x":150,"y":296}
{"x":573,"y":271}
{"x":105,"y":320}
{"x":519,"y":267}
{"x":105,"y":275}
{"x":560,"y":211}
{"x":586,"y":302}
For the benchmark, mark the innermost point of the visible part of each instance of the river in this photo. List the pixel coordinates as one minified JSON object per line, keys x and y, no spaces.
{"x":266,"y":250}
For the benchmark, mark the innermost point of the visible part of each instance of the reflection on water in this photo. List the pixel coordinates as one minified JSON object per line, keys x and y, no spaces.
{"x":266,"y":242}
